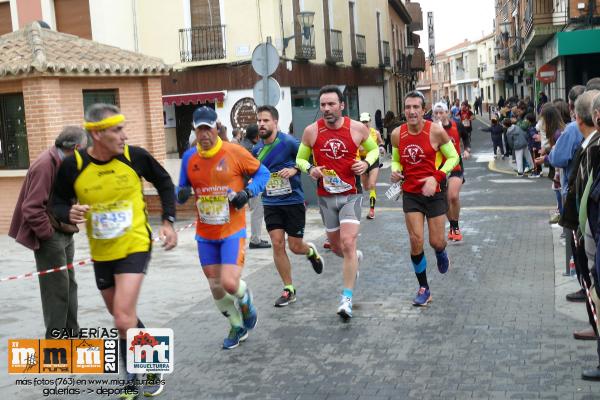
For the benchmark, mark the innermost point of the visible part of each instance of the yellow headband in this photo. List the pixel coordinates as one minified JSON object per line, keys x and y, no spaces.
{"x":105,"y":123}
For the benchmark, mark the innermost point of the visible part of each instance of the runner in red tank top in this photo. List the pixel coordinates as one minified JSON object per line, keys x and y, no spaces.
{"x":334,"y":141}
{"x":416,"y":146}
{"x":456,"y":131}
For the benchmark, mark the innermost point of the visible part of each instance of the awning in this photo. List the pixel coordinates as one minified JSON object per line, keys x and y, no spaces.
{"x":194,"y":98}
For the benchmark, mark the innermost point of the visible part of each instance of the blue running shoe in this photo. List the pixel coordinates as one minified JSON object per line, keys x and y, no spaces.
{"x":154,"y":384}
{"x":345,"y":308}
{"x":236,"y":335}
{"x":443,"y":263}
{"x":248,"y":310}
{"x":422,"y":298}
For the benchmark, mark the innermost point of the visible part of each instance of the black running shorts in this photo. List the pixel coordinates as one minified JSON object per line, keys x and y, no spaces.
{"x":135,"y":263}
{"x":291,"y":218}
{"x":457,"y":174}
{"x":431,"y":207}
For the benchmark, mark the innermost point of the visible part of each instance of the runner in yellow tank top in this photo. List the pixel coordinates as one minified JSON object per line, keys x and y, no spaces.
{"x":106,"y":181}
{"x":369,"y":177}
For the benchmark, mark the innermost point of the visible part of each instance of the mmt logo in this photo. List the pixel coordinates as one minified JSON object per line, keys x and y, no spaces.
{"x":150,"y":350}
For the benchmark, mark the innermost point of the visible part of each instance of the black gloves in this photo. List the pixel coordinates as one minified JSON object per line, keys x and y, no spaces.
{"x":183,"y":193}
{"x":240,"y":199}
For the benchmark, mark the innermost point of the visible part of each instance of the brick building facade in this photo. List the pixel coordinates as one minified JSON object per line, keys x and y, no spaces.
{"x":55,"y":74}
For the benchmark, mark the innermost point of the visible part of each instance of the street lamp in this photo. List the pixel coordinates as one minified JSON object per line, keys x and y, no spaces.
{"x":505,"y":30}
{"x":410,"y":50}
{"x":305,"y":19}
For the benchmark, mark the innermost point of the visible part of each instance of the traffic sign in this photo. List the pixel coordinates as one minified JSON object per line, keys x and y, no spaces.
{"x":266,"y":92}
{"x":547,"y":73}
{"x":265,"y":59}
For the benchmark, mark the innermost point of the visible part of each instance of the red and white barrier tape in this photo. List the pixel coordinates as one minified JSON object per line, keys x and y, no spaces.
{"x":73,"y":265}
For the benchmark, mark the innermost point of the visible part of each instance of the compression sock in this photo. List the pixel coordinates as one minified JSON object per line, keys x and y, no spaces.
{"x":291,"y":288}
{"x":453,"y":224}
{"x":372,"y":198}
{"x":241,"y":292}
{"x":227,"y":307}
{"x":419,"y":263}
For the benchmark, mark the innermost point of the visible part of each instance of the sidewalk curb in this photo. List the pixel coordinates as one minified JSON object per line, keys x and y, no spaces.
{"x":492,"y":167}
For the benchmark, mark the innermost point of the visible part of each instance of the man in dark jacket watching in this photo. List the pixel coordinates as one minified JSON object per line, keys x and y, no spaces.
{"x":51,"y":241}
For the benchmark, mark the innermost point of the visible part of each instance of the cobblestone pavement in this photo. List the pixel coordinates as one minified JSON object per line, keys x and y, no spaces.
{"x":495,"y":329}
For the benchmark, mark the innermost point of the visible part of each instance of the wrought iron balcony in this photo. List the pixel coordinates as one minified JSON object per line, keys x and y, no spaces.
{"x":202,"y":43}
{"x":360,"y":44}
{"x":305,"y":45}
{"x":337,"y":50}
{"x":402,"y":63}
{"x":385,"y":50}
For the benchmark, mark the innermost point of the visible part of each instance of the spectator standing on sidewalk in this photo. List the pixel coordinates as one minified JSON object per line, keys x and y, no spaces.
{"x":35,"y":227}
{"x":255,"y":202}
{"x":578,"y":190}
{"x":496,"y":132}
{"x":592,"y":238}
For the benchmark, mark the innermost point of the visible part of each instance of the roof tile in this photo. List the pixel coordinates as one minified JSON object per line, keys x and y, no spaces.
{"x":34,"y":50}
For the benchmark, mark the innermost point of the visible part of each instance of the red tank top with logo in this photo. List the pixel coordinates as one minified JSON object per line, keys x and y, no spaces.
{"x":335,"y":150}
{"x":417,"y":156}
{"x":455,"y":138}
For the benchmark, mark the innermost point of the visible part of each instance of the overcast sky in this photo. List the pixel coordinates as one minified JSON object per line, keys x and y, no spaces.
{"x":456,"y":20}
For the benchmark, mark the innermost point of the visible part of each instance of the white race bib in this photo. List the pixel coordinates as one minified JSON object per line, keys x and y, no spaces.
{"x":111,"y":220}
{"x":213,"y":210}
{"x":332,"y":183}
{"x":393,"y":193}
{"x":466,"y":123}
{"x":278,"y":186}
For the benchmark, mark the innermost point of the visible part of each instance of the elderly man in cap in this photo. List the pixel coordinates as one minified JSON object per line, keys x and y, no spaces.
{"x":35,"y":227}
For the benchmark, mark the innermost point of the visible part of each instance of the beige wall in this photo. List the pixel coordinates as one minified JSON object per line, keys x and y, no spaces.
{"x":106,"y":15}
{"x":159,"y":22}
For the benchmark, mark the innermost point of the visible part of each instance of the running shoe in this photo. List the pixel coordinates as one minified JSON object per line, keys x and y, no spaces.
{"x":422,"y":298}
{"x":451,"y":234}
{"x":371,"y":214}
{"x":457,"y":237}
{"x":345,"y":308}
{"x":443,"y":263}
{"x":236,"y":335}
{"x":248,"y":310}
{"x":129,"y":391}
{"x":326,"y":244}
{"x":153,"y":386}
{"x":287,"y":297}
{"x":315,"y":260}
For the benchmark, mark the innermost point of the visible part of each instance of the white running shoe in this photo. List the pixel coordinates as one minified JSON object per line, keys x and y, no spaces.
{"x":345,"y":308}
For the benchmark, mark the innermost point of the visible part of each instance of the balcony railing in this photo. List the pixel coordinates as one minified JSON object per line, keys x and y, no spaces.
{"x":202,"y":43}
{"x":385,"y":49}
{"x":361,"y":49}
{"x":402,"y":63}
{"x":306,"y":49}
{"x":337,"y":50}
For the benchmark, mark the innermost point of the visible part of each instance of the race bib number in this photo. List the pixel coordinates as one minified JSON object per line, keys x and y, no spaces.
{"x":332,"y":183}
{"x":278,"y":186}
{"x":213,"y":210}
{"x":111,"y":220}
{"x":393,"y":193}
{"x":467,"y":123}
